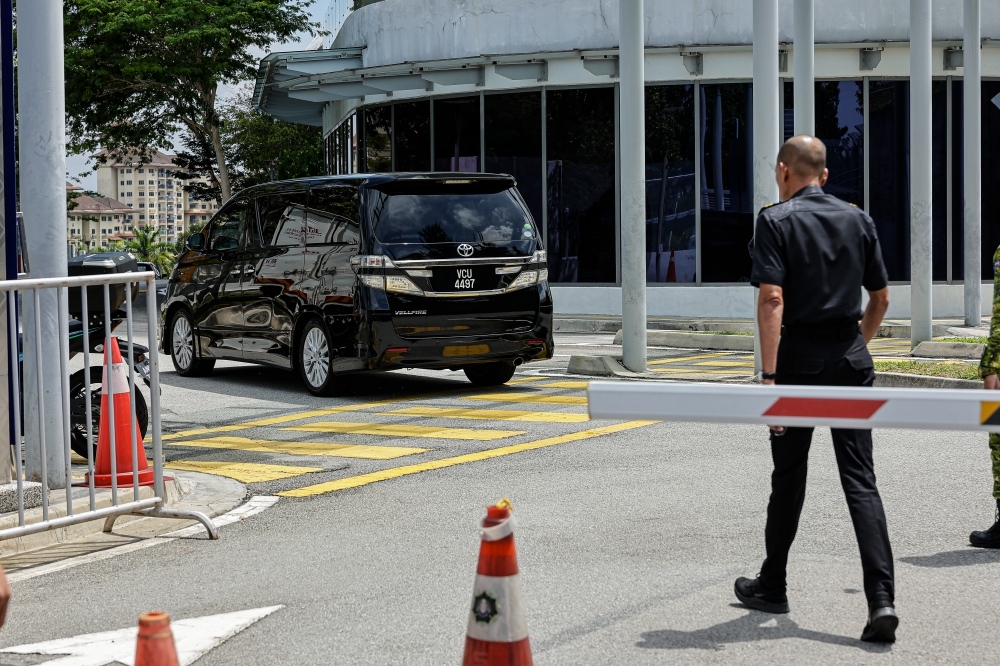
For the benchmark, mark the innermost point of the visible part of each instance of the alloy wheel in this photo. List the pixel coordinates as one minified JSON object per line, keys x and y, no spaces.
{"x":316,"y":357}
{"x":182,"y":342}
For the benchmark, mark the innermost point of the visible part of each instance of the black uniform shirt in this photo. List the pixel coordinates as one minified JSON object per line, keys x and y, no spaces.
{"x":821,"y":251}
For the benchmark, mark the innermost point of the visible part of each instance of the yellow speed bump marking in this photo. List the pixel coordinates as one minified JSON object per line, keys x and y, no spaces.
{"x":531,"y":398}
{"x":522,"y":380}
{"x":682,"y":359}
{"x":406,"y":470}
{"x":298,"y":416}
{"x":396,"y":430}
{"x":244,"y":472}
{"x":304,"y":448}
{"x":700,"y":371}
{"x":726,"y":364}
{"x":564,"y":385}
{"x":489,"y":414}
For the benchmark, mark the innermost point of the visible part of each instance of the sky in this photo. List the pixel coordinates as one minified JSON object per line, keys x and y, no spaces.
{"x":76,"y":164}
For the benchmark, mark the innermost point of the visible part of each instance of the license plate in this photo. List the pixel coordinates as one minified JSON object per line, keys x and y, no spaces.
{"x":464,"y":279}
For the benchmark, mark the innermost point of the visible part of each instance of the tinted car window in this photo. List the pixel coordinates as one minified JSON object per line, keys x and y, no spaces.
{"x":228,"y":226}
{"x":282,"y":218}
{"x":449,"y":218}
{"x":333,"y":216}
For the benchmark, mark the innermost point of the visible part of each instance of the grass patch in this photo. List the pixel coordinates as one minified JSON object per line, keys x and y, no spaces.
{"x":949,"y":369}
{"x":975,"y":341}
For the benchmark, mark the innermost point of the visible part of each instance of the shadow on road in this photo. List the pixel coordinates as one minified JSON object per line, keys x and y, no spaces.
{"x":967,"y":557}
{"x":754,"y":626}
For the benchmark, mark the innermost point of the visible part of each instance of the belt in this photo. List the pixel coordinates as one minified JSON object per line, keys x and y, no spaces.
{"x":839,"y":329}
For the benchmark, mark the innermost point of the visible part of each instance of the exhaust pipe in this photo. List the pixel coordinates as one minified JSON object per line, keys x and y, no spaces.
{"x":518,"y":361}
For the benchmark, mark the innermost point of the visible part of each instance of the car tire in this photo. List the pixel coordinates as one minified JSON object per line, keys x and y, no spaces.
{"x":183,"y":350}
{"x":490,"y":374}
{"x":313,"y":359}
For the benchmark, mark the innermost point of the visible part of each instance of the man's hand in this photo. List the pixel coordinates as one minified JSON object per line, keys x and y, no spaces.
{"x":878,"y":303}
{"x":991,"y":382}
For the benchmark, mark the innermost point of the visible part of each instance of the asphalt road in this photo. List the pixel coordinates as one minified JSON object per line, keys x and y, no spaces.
{"x":628,"y":541}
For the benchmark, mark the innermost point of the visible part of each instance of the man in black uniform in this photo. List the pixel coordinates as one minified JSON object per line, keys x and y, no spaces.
{"x":813,"y":253}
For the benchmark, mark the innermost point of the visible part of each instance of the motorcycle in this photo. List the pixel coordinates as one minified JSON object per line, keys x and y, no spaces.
{"x":80,"y":384}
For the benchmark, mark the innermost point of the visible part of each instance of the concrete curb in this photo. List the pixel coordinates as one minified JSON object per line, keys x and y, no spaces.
{"x":212,"y":495}
{"x":695,"y":340}
{"x":903,"y":380}
{"x":572,"y":324}
{"x":969,"y":350}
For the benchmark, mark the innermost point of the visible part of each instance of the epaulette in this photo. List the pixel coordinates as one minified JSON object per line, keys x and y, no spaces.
{"x":768,"y":205}
{"x":853,"y":204}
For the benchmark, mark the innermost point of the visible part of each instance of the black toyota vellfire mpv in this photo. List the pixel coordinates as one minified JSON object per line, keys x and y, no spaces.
{"x":335,"y":275}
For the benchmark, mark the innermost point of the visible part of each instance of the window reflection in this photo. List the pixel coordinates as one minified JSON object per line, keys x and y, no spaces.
{"x":456,"y":134}
{"x":888,"y":177}
{"x":726,"y":181}
{"x":580,"y":128}
{"x":413,"y":136}
{"x":991,"y":174}
{"x":514,"y":143}
{"x":378,"y":135}
{"x":670,"y":184}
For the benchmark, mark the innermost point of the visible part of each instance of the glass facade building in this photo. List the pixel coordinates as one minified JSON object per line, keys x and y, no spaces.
{"x":559,"y":144}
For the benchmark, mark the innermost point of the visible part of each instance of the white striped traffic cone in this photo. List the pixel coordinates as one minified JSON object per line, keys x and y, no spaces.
{"x":497,"y":632}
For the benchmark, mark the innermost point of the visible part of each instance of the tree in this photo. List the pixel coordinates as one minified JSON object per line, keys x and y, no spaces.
{"x":138,"y":71}
{"x":145,"y":247}
{"x":258,"y":148}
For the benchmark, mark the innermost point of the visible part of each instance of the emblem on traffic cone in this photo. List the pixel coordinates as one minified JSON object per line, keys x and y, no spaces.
{"x":115,"y":387}
{"x":497,"y":632}
{"x":155,"y":644}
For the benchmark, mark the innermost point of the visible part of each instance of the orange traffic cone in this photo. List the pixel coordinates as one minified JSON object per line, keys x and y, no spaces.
{"x":497,"y":632}
{"x":672,"y":269}
{"x":155,"y":643}
{"x":123,"y":432}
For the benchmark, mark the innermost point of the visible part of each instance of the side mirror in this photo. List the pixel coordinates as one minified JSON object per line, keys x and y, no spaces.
{"x":195,"y":242}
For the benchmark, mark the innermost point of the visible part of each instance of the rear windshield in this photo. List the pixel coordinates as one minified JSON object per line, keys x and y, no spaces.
{"x":465,"y":217}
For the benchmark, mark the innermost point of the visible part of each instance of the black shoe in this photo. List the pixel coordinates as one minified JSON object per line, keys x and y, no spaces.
{"x":753,"y":595}
{"x":988,"y":538}
{"x":882,"y":621}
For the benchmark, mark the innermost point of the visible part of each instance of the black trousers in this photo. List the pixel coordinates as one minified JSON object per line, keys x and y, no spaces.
{"x":836,"y":360}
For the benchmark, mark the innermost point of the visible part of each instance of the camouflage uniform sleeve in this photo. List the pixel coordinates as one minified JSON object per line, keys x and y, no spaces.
{"x":990,"y":364}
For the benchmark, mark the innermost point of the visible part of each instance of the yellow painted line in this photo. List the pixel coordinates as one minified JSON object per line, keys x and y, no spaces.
{"x":397,"y":430}
{"x":700,"y":371}
{"x":490,"y":414}
{"x":304,"y":448}
{"x":726,"y":364}
{"x":531,"y":397}
{"x":681,"y":359}
{"x":565,"y":385}
{"x":406,"y":470}
{"x":287,"y":418}
{"x":522,"y":380}
{"x":244,"y":472}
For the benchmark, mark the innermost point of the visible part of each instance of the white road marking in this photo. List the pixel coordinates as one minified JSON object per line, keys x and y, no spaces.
{"x":252,"y":506}
{"x":194,"y":637}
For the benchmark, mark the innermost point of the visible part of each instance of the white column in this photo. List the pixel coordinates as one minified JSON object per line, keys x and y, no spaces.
{"x":920,"y":172}
{"x":42,"y":141}
{"x":766,"y":121}
{"x":972,"y":104}
{"x":804,"y":68}
{"x":633,"y":184}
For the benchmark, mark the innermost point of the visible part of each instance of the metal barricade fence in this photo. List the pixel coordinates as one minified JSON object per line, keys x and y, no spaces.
{"x":22,"y":290}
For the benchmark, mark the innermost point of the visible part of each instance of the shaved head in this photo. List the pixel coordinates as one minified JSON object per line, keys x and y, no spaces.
{"x":804,"y":155}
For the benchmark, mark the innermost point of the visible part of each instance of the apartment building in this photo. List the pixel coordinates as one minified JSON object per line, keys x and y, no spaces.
{"x":96,"y":222}
{"x":156,"y":197}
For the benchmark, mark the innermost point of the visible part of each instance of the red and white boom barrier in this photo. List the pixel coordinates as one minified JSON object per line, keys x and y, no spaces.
{"x":835,"y":406}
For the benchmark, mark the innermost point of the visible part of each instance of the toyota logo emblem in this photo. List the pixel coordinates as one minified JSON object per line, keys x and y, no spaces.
{"x":465,"y":250}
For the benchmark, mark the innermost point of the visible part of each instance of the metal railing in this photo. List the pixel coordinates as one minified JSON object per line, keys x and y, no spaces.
{"x":20,"y":291}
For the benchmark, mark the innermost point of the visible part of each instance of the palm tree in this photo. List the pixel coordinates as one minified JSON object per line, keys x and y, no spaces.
{"x":145,"y":247}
